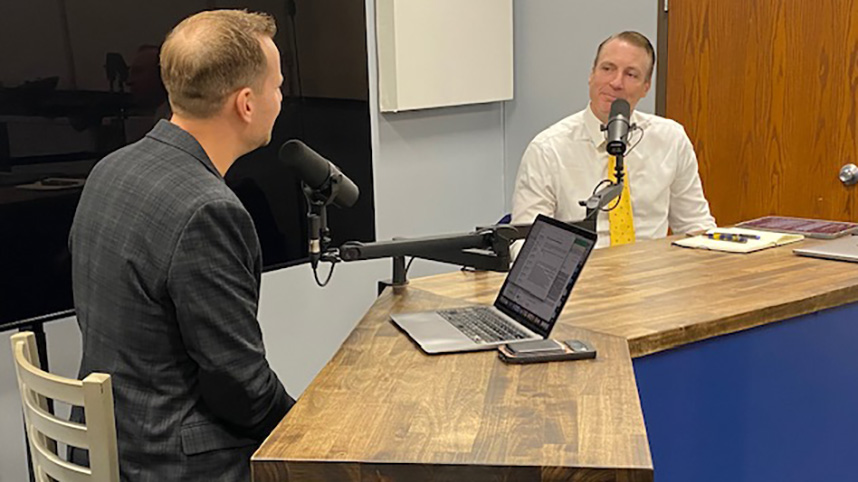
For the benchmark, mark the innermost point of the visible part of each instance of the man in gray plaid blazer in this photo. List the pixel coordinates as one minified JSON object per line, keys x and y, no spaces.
{"x":166,"y":263}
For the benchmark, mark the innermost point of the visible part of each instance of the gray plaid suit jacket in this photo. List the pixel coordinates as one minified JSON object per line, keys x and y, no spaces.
{"x":166,"y":270}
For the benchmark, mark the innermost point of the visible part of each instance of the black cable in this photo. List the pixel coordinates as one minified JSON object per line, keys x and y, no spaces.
{"x":599,"y":186}
{"x":297,"y":60}
{"x":638,"y":141}
{"x":605,"y":209}
{"x":407,"y":266}
{"x":330,"y":274}
{"x":611,"y":208}
{"x":297,"y":57}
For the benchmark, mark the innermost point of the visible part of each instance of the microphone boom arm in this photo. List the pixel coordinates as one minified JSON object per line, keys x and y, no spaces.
{"x":485,"y":249}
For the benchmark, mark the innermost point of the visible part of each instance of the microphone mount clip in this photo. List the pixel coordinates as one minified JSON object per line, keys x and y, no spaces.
{"x":318,"y":200}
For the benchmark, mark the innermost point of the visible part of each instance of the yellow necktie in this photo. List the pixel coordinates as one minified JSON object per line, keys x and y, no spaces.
{"x":622,"y":222}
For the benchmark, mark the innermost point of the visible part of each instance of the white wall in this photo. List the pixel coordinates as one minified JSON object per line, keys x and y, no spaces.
{"x":436,"y":171}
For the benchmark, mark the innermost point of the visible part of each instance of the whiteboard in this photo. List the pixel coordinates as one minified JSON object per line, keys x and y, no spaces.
{"x":436,"y":53}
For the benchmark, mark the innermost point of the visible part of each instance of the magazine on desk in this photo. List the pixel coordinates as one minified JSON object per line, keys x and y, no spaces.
{"x":737,"y":240}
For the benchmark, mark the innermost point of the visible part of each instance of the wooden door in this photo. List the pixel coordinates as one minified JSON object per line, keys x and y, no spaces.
{"x":767,"y":92}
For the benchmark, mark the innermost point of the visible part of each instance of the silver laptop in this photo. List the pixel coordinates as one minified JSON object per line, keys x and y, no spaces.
{"x":842,"y":249}
{"x":528,"y":304}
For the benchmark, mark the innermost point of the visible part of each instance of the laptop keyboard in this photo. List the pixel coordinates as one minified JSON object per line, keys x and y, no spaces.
{"x":482,"y":325}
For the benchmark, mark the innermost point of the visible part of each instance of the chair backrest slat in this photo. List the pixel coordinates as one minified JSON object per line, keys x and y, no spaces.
{"x":94,"y":394}
{"x":47,"y":384}
{"x":59,"y":469}
{"x":54,"y":427}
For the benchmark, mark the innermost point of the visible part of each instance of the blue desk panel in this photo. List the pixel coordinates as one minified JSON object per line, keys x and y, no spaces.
{"x":774,"y":403}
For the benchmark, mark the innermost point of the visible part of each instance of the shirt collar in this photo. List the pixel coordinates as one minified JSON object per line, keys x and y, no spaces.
{"x":594,"y":127}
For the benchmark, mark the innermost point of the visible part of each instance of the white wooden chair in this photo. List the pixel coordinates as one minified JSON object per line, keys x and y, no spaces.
{"x":44,"y":430}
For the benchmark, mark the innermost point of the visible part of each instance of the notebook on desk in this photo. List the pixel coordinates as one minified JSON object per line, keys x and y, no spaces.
{"x":737,"y":240}
{"x":528,"y":304}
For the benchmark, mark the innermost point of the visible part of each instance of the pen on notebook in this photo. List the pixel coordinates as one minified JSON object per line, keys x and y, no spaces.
{"x":736,"y":238}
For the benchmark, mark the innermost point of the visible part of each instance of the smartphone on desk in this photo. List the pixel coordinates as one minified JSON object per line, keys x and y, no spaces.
{"x":545,"y":350}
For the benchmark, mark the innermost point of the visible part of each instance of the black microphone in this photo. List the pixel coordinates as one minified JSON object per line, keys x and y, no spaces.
{"x":618,"y":127}
{"x":323,"y":184}
{"x":328,"y":183}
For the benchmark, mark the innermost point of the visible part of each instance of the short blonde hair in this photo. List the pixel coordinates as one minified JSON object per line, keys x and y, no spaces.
{"x":210,"y":55}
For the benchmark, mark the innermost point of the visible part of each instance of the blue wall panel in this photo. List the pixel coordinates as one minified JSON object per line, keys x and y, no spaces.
{"x":774,"y":403}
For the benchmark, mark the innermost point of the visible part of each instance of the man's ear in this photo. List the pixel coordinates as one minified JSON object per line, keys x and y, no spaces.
{"x":244,"y":104}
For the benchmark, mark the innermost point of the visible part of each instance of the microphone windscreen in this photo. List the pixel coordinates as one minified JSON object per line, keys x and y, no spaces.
{"x":620,"y":107}
{"x":312,"y":168}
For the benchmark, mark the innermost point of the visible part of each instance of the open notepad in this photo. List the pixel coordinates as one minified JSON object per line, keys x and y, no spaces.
{"x":767,"y":239}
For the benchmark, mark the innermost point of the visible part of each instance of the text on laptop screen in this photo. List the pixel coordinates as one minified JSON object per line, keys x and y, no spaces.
{"x":542,"y":276}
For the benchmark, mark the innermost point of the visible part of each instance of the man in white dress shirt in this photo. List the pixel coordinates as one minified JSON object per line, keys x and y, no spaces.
{"x":564,"y":163}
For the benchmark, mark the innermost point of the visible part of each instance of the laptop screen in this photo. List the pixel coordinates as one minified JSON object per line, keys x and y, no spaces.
{"x":544,"y":273}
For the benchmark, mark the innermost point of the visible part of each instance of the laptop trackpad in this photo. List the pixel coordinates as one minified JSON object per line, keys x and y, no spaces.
{"x":429,"y":328}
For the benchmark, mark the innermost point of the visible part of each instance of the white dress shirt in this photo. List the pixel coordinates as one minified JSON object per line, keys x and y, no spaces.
{"x":564,"y":163}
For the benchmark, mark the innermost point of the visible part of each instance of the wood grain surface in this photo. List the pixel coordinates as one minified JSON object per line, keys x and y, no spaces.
{"x":659,"y":296}
{"x":766,"y":91}
{"x":383,"y":410}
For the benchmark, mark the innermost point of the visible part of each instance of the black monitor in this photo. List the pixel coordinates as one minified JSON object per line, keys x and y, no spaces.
{"x":80,"y":79}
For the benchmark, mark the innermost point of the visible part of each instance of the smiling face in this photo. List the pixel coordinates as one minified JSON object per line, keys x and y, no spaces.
{"x":622,"y":71}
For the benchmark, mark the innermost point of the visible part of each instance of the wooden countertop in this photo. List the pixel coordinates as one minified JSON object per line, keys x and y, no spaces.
{"x":659,"y":296}
{"x":383,"y":410}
